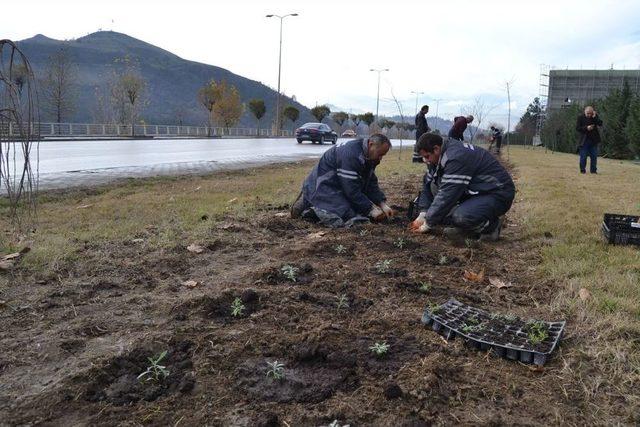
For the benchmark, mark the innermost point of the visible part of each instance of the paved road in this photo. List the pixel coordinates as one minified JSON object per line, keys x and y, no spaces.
{"x":65,"y":164}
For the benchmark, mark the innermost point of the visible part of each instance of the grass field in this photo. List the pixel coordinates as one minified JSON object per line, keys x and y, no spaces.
{"x":559,"y":213}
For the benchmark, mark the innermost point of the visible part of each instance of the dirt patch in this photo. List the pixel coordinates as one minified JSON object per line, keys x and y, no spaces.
{"x":119,"y":383}
{"x":74,"y":345}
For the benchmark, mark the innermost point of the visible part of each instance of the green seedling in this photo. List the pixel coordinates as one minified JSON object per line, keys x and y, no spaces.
{"x":443,"y":260}
{"x":380,"y":349}
{"x":400,"y":243}
{"x":237,"y":308}
{"x":155,"y":371}
{"x":276,"y":370}
{"x":343,"y":301}
{"x":466,"y":328}
{"x":340,"y":249}
{"x":336,"y":423}
{"x":537,"y":332}
{"x":290,"y":272}
{"x":425,"y":287}
{"x":434,"y":308}
{"x":383,"y":266}
{"x":363,"y":233}
{"x":473,"y":320}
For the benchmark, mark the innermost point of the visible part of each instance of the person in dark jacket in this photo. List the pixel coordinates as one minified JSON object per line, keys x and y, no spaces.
{"x":342,"y":188}
{"x":587,"y":126}
{"x":459,"y":126}
{"x":465,"y":187}
{"x":496,"y":136}
{"x":422,"y":127}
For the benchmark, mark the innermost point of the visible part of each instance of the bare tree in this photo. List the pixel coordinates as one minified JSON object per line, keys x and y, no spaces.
{"x":127,"y":90}
{"x":59,"y":93}
{"x":19,"y":129}
{"x":479,"y":110}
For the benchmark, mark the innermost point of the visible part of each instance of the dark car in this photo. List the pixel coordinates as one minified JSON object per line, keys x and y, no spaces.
{"x":316,"y":132}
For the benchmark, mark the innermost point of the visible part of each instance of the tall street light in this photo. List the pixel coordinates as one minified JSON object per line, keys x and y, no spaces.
{"x":378,"y":96}
{"x":417,"y":95}
{"x":437,"y":105}
{"x":279,"y":67}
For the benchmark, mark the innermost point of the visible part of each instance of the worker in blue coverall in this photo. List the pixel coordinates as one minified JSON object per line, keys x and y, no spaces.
{"x":465,"y":189}
{"x":342,"y":189}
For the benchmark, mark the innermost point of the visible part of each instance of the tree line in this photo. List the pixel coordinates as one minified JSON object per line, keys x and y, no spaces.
{"x":124,"y":95}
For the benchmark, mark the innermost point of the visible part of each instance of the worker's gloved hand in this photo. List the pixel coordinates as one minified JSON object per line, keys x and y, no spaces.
{"x":387,"y":210}
{"x":377,"y":214}
{"x":419,"y":225}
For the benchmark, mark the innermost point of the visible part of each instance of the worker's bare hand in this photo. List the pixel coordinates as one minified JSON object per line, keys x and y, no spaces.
{"x":377,"y":214}
{"x":387,"y":210}
{"x":419,"y":225}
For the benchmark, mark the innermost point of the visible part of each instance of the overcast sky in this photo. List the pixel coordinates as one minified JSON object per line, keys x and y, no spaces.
{"x":450,"y":50}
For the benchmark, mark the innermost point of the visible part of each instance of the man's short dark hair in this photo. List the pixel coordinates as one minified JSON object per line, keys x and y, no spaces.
{"x":424,"y":107}
{"x":379,"y":139}
{"x":428,"y":141}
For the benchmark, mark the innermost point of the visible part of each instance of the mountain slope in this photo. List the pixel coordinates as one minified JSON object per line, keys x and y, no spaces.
{"x":172,"y":82}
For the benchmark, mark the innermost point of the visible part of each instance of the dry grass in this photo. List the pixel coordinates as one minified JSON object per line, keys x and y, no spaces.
{"x":119,"y":212}
{"x":603,"y":340}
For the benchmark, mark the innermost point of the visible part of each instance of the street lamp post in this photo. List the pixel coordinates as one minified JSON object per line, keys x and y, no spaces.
{"x":437,"y":105}
{"x":378,"y":96}
{"x":417,"y":95}
{"x":279,"y":67}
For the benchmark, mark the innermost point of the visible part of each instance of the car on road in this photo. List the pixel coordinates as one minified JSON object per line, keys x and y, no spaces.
{"x":316,"y":132}
{"x":349,"y":133}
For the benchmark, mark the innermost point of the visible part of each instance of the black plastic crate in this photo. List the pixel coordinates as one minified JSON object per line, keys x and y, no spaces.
{"x":504,"y":335}
{"x":621,"y":229}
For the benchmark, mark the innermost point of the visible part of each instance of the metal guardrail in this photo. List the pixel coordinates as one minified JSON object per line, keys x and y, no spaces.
{"x":116,"y":130}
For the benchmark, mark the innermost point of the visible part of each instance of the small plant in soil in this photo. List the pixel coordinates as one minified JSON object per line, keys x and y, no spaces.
{"x":380,"y":349}
{"x":340,"y":249}
{"x":425,"y":287}
{"x":400,"y":243}
{"x":536,"y":332}
{"x":383,"y":266}
{"x":363,"y":233}
{"x":237,"y":308}
{"x":276,"y":370}
{"x":155,"y":371}
{"x":343,"y":301}
{"x":290,"y":272}
{"x":443,"y":260}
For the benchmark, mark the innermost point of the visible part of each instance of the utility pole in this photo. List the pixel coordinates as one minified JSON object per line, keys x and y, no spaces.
{"x":279,"y":67}
{"x":437,"y":105}
{"x":378,"y":95}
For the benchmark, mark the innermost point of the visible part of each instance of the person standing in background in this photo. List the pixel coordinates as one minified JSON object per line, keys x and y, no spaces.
{"x":587,"y":127}
{"x":422,"y":127}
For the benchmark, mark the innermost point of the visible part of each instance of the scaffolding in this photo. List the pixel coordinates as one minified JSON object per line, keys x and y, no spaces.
{"x":543,"y":97}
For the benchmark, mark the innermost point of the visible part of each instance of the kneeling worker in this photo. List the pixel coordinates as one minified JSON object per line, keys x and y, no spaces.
{"x":465,"y":187}
{"x":343,"y":188}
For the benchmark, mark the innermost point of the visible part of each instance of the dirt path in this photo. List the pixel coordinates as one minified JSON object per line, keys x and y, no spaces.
{"x":74,"y":343}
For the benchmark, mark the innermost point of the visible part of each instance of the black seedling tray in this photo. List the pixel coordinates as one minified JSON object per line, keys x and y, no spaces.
{"x":506,"y":336}
{"x":621,"y":229}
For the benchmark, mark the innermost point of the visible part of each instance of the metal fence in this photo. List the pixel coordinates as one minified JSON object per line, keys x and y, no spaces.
{"x":78,"y":130}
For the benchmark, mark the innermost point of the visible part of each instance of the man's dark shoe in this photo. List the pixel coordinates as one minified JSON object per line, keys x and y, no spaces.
{"x":493,"y":235}
{"x":595,"y":173}
{"x":297,"y":207}
{"x":583,"y":171}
